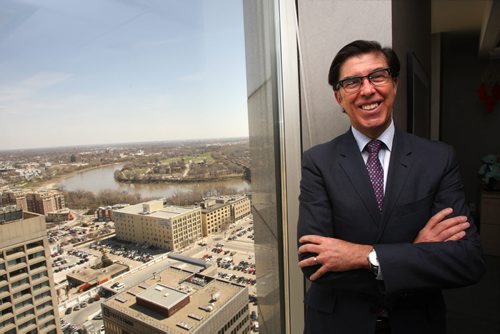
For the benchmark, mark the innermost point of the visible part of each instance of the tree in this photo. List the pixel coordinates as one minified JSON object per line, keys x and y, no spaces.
{"x":105,"y":260}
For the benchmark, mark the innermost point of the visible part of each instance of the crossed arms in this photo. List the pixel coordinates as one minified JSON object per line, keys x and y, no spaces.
{"x":338,"y":255}
{"x":443,"y":253}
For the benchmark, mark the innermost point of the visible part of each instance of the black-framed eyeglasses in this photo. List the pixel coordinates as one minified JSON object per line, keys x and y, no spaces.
{"x":378,"y":77}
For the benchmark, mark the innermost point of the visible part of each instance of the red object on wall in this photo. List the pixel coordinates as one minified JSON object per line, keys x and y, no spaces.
{"x":489,"y":100}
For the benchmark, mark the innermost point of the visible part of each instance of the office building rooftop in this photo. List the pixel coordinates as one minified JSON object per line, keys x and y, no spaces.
{"x":178,"y":301}
{"x":155,"y":209}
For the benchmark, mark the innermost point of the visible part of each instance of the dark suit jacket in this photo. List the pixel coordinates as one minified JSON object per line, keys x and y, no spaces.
{"x":337,"y":201}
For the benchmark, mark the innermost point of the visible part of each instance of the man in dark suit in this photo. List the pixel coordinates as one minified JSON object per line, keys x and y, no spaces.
{"x":383,"y":223}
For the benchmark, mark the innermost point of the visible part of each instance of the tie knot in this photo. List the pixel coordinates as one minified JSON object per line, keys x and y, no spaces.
{"x":373,"y":146}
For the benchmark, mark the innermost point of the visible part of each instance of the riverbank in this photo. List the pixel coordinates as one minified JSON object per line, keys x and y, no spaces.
{"x":102,"y":179}
{"x":54,"y":182}
{"x":181,"y":180}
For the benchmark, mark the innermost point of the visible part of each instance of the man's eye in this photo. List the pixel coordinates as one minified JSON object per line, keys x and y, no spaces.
{"x":381,"y":76}
{"x":351,"y":83}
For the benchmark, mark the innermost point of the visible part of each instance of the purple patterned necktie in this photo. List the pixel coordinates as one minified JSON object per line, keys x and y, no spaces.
{"x":375,"y":170}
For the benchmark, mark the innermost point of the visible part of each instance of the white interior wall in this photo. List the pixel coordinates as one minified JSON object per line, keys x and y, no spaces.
{"x":324,"y":27}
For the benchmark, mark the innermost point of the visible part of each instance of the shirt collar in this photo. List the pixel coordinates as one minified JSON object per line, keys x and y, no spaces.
{"x":386,"y":137}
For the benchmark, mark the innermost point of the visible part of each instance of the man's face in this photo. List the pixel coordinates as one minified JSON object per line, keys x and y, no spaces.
{"x":370,"y":108}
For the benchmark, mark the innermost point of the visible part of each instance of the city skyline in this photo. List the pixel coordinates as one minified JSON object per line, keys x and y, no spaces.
{"x":94,"y":73}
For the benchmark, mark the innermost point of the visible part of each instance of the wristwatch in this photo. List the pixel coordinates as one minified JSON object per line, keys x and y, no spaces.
{"x":373,"y":262}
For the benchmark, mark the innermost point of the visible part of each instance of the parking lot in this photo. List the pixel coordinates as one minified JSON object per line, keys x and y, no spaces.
{"x":231,"y":251}
{"x":124,"y":251}
{"x":72,"y":259}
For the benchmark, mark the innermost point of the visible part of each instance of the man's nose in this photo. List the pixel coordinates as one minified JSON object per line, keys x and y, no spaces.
{"x":366,"y":87}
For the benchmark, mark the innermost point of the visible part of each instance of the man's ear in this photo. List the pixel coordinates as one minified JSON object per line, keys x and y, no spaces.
{"x":396,"y":81}
{"x":338,"y":96}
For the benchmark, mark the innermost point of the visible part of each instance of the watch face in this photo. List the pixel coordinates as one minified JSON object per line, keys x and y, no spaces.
{"x":373,"y":261}
{"x":372,"y":258}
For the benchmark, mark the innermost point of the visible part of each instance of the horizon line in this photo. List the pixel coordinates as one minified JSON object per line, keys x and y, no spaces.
{"x":120,"y":143}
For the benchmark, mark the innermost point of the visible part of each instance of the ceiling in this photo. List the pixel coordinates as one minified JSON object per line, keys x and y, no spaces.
{"x":454,"y":15}
{"x":470,"y":15}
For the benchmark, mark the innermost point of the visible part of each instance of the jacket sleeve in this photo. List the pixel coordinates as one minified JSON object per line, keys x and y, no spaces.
{"x":436,"y":265}
{"x":315,"y":218}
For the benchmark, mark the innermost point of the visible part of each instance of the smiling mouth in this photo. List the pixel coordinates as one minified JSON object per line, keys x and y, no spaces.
{"x":370,"y":106}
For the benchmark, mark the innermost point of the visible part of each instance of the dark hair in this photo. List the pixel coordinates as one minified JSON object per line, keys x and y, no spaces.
{"x":357,"y":48}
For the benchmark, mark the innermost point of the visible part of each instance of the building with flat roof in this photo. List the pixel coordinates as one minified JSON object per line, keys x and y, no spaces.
{"x":58,"y":216}
{"x":15,"y":197}
{"x":88,"y":278}
{"x":42,"y":201}
{"x":218,"y":212}
{"x":179,"y":301}
{"x":105,"y":213}
{"x":28,"y":300}
{"x":240,"y":206}
{"x":215,"y":217}
{"x":157,"y":224}
{"x":45,"y":201}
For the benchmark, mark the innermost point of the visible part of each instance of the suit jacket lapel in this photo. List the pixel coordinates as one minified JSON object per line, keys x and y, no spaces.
{"x":399,"y":168}
{"x":353,"y":165}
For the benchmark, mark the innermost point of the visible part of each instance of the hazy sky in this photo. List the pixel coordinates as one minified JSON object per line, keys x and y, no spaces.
{"x":77,"y":72}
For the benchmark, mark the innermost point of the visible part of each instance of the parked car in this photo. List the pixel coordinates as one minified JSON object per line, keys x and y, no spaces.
{"x":118,"y":286}
{"x":255,"y":326}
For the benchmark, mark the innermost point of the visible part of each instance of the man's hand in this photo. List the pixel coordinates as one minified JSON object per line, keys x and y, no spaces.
{"x":439,"y":229}
{"x":332,"y":255}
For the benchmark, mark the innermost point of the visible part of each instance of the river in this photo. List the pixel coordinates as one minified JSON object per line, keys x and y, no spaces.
{"x":98,"y":179}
